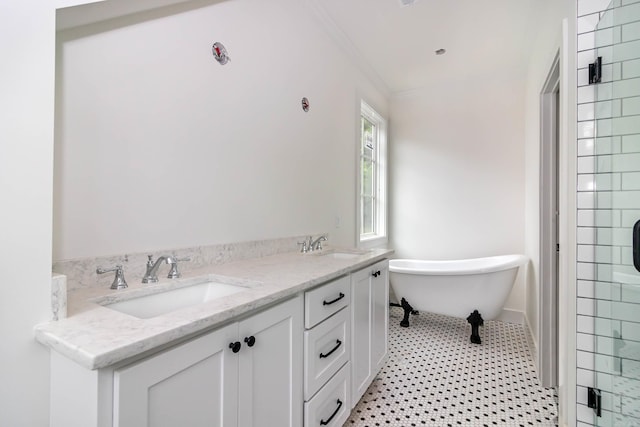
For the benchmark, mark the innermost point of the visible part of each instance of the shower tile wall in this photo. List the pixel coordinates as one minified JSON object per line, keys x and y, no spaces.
{"x":608,"y":161}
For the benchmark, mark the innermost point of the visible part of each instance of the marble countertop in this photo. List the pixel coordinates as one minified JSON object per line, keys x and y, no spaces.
{"x":97,"y":337}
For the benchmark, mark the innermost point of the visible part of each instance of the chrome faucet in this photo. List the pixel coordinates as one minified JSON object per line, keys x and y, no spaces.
{"x":151,"y":276}
{"x":316,"y":245}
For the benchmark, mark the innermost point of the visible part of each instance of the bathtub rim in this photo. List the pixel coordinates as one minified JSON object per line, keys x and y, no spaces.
{"x":467,"y":266}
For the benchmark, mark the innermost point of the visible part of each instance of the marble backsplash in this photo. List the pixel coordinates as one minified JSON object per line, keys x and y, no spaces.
{"x":81,"y":273}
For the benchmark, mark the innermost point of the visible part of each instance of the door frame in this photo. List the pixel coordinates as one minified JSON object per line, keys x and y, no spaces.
{"x":548,"y":321}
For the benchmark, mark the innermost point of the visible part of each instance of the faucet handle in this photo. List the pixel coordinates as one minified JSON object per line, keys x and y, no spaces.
{"x":119,"y":281}
{"x":173,"y":270}
{"x":303,"y":249}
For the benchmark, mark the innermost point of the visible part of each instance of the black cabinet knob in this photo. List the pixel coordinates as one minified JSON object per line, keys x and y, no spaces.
{"x":235,"y":346}
{"x":250,"y":340}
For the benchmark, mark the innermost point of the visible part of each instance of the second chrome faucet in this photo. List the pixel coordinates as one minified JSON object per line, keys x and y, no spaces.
{"x":151,"y":275}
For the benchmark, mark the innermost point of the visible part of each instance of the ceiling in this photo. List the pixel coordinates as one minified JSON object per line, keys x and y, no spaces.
{"x":396,"y":44}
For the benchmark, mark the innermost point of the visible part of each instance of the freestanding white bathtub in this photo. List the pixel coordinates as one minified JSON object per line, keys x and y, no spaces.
{"x":456,"y":288}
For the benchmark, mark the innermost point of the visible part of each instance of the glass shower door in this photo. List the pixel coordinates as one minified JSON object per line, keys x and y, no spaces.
{"x":616,"y":184}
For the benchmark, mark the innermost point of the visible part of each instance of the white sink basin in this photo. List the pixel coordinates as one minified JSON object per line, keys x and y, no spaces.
{"x":342,"y":254}
{"x":153,"y":305}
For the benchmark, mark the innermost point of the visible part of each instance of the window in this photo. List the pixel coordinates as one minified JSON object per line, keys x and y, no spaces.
{"x":372,"y":207}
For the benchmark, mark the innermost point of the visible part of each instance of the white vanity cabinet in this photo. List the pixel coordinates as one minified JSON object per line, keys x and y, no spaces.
{"x":369,"y":325}
{"x":202,"y":382}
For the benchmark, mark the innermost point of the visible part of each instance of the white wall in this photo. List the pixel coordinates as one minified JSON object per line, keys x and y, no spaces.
{"x":457,"y":171}
{"x":26,"y":138}
{"x":159,"y":146}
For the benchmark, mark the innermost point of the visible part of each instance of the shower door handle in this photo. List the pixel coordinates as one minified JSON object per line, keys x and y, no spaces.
{"x":636,"y":245}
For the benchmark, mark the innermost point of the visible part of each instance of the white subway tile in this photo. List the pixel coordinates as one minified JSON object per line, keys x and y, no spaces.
{"x":631,"y":293}
{"x":587,"y":164}
{"x":603,"y":164}
{"x":585,"y":360}
{"x":631,"y":69}
{"x":626,"y":88}
{"x":585,"y":342}
{"x":604,"y":218}
{"x":585,"y":58}
{"x":626,"y":162}
{"x":586,"y":41}
{"x":586,"y":253}
{"x":630,"y":106}
{"x":586,"y":147}
{"x":604,"y":91}
{"x":601,"y":38}
{"x":588,"y":23}
{"x":604,"y":145}
{"x":625,"y":125}
{"x":631,"y":31}
{"x":583,"y":77}
{"x":586,"y":112}
{"x":586,"y":182}
{"x":602,"y":308}
{"x":626,"y":199}
{"x":586,"y":307}
{"x":604,"y":236}
{"x":603,"y":200}
{"x":586,"y":200}
{"x":629,"y":217}
{"x":631,"y":181}
{"x":607,"y":291}
{"x":586,"y":271}
{"x":586,"y":288}
{"x":586,"y":236}
{"x":584,"y":414}
{"x":631,"y":144}
{"x":586,"y":218}
{"x":585,"y":377}
{"x":586,"y":94}
{"x":604,"y":127}
{"x":626,"y":14}
{"x":607,"y":109}
{"x":631,"y":331}
{"x":587,"y":7}
{"x":582,"y":399}
{"x":585,"y":324}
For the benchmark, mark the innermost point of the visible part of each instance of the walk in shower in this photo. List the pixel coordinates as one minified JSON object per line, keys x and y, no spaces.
{"x":608,"y":339}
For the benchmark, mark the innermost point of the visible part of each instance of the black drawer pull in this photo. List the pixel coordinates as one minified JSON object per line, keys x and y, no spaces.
{"x":376,"y":273}
{"x":335,"y":300}
{"x":338,"y":344}
{"x":235,"y":346}
{"x":250,"y":340}
{"x":323,"y":422}
{"x":636,"y":245}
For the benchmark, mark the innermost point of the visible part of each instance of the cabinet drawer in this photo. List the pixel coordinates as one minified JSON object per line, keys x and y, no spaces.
{"x":326,"y":347}
{"x":325,"y":300}
{"x":332,"y":405}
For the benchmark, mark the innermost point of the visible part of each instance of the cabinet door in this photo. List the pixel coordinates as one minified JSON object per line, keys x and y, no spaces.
{"x":193,"y":384}
{"x":270,"y":371}
{"x":369,"y":325}
{"x":360,"y":332}
{"x":380,"y":316}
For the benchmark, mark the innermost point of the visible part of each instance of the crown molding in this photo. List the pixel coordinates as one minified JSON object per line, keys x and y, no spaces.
{"x":347,"y":45}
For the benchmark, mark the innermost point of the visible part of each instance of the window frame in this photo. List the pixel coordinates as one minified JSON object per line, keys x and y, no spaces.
{"x":380,"y":234}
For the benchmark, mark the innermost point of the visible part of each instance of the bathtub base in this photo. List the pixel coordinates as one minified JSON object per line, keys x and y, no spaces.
{"x":407,"y":311}
{"x":476,"y":320}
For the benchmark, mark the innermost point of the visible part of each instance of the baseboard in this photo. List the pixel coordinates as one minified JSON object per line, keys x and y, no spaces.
{"x":511,"y":316}
{"x":533,"y":344}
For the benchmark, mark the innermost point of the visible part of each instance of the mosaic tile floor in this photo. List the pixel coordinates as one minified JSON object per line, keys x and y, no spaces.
{"x":436,"y":377}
